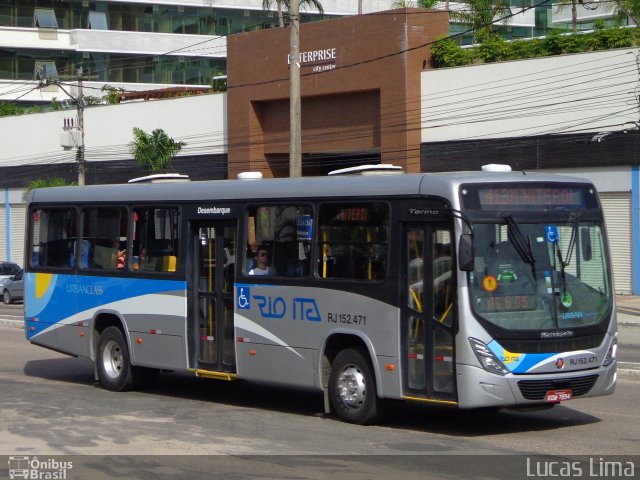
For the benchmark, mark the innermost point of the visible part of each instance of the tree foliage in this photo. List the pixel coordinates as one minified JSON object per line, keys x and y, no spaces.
{"x":481,"y":16}
{"x":45,"y":183}
{"x":10,"y":108}
{"x":154,"y":151}
{"x":630,"y":8}
{"x":283,"y":5}
{"x":414,"y":3}
{"x":112,"y":94}
{"x":445,"y":52}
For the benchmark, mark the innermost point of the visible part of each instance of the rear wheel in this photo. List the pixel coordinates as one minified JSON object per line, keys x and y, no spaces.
{"x":113,"y":362}
{"x":352,"y":387}
{"x":6,"y":297}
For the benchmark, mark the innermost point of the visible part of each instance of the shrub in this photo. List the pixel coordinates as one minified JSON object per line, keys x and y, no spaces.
{"x":494,"y":49}
{"x":609,"y":38}
{"x":447,"y":53}
{"x":526,"y":48}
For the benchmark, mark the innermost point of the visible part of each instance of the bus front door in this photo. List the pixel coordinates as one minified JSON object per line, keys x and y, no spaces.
{"x":214,"y":270}
{"x":428,"y":313}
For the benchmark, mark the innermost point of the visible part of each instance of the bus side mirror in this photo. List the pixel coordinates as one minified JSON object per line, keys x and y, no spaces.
{"x":585,"y":244}
{"x":465,"y":252}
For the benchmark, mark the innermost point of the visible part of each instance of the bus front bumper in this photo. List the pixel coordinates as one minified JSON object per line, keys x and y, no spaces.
{"x":478,"y":388}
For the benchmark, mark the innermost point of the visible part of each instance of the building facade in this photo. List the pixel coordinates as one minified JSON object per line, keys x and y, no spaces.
{"x":127,"y":45}
{"x":144,"y":45}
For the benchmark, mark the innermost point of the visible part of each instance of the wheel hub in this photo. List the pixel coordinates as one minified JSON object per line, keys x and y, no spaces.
{"x":112,"y":359}
{"x":351,"y":387}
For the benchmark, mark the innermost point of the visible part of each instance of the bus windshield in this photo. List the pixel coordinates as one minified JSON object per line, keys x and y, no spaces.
{"x":540,"y":276}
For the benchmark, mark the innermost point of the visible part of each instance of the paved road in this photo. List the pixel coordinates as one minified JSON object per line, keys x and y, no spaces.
{"x":49,"y":407}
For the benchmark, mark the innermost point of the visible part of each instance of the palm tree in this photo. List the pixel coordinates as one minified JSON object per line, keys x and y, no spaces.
{"x":281,"y":5}
{"x":630,"y":8}
{"x":481,"y":15}
{"x":154,"y":151}
{"x":562,"y":4}
{"x":44,"y":183}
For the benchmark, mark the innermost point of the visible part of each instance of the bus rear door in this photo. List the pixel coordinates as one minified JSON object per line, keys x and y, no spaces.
{"x":428,"y":293}
{"x":212,"y":295}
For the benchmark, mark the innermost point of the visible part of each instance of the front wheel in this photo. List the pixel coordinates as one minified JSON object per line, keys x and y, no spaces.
{"x":113,"y":361}
{"x":352,"y":388}
{"x":6,"y":297}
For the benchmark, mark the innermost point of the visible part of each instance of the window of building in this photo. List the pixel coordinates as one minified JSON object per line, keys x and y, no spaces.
{"x":45,"y":70}
{"x":155,"y":239}
{"x":98,"y":21}
{"x":352,"y":241}
{"x":44,"y":18}
{"x":279,"y":240}
{"x":53,"y":236}
{"x":104,"y":238}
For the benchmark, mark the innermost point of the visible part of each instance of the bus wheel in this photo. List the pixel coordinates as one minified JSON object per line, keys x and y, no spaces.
{"x":114,"y":367}
{"x":352,"y":387}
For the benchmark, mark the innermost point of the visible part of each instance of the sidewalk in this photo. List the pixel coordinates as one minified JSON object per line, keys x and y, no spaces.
{"x":628,"y":310}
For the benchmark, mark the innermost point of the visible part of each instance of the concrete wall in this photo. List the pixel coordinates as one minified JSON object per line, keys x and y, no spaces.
{"x":562,"y":94}
{"x":200,"y":121}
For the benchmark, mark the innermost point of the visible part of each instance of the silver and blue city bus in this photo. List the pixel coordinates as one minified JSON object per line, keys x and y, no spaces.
{"x":469,"y":289}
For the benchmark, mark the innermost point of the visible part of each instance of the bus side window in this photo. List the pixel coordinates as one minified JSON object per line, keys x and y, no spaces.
{"x":352,"y":241}
{"x":287,"y":231}
{"x":53,"y":235}
{"x":155,"y":248}
{"x":105,"y":231}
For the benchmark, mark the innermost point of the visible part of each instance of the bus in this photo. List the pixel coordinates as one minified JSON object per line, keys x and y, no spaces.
{"x":471,"y":289}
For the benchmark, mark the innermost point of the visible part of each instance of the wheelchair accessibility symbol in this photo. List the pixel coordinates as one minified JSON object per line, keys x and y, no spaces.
{"x":243,"y":300}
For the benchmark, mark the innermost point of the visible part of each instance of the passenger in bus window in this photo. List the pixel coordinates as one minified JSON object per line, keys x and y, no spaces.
{"x":262,"y":262}
{"x":118,"y":256}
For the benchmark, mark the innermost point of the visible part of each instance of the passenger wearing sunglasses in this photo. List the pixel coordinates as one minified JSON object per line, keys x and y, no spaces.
{"x":262,"y":262}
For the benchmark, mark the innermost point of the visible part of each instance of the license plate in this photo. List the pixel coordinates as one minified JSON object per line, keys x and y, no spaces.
{"x":555,"y":396}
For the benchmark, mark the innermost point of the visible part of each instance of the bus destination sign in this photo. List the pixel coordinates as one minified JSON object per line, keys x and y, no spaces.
{"x":499,"y":197}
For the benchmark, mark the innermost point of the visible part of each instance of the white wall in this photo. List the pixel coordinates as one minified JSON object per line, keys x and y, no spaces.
{"x":606,"y":179}
{"x":563,"y":94}
{"x":199,"y":120}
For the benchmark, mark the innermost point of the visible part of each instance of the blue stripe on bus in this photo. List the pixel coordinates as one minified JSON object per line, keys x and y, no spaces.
{"x":75,"y":294}
{"x":518,"y":362}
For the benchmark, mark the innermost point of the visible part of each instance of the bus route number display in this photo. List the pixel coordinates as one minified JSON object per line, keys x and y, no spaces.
{"x":530,"y":196}
{"x":506,"y":303}
{"x":526,"y":197}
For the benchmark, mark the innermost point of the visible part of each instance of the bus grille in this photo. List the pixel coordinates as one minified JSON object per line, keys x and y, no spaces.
{"x":537,"y":389}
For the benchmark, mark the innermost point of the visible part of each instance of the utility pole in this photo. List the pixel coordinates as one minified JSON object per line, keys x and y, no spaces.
{"x":80,"y":152}
{"x":295,"y":133}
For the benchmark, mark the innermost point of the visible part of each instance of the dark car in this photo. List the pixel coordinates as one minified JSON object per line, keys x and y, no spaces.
{"x":13,"y":288}
{"x":8,"y":269}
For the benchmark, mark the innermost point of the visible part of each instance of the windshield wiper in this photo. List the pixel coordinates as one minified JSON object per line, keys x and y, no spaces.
{"x":521,"y":242}
{"x":572,"y":243}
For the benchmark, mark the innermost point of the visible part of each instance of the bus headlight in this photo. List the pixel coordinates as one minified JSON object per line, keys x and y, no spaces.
{"x":611,"y":353}
{"x":487,"y":359}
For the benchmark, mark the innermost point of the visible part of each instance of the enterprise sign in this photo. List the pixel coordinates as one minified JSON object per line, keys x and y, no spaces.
{"x":325,"y":57}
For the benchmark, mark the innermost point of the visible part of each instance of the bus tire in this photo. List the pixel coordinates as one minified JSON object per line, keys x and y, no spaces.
{"x":113,"y":361}
{"x":352,"y":388}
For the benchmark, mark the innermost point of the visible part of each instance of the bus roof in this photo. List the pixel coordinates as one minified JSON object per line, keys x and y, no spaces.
{"x":434,"y":184}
